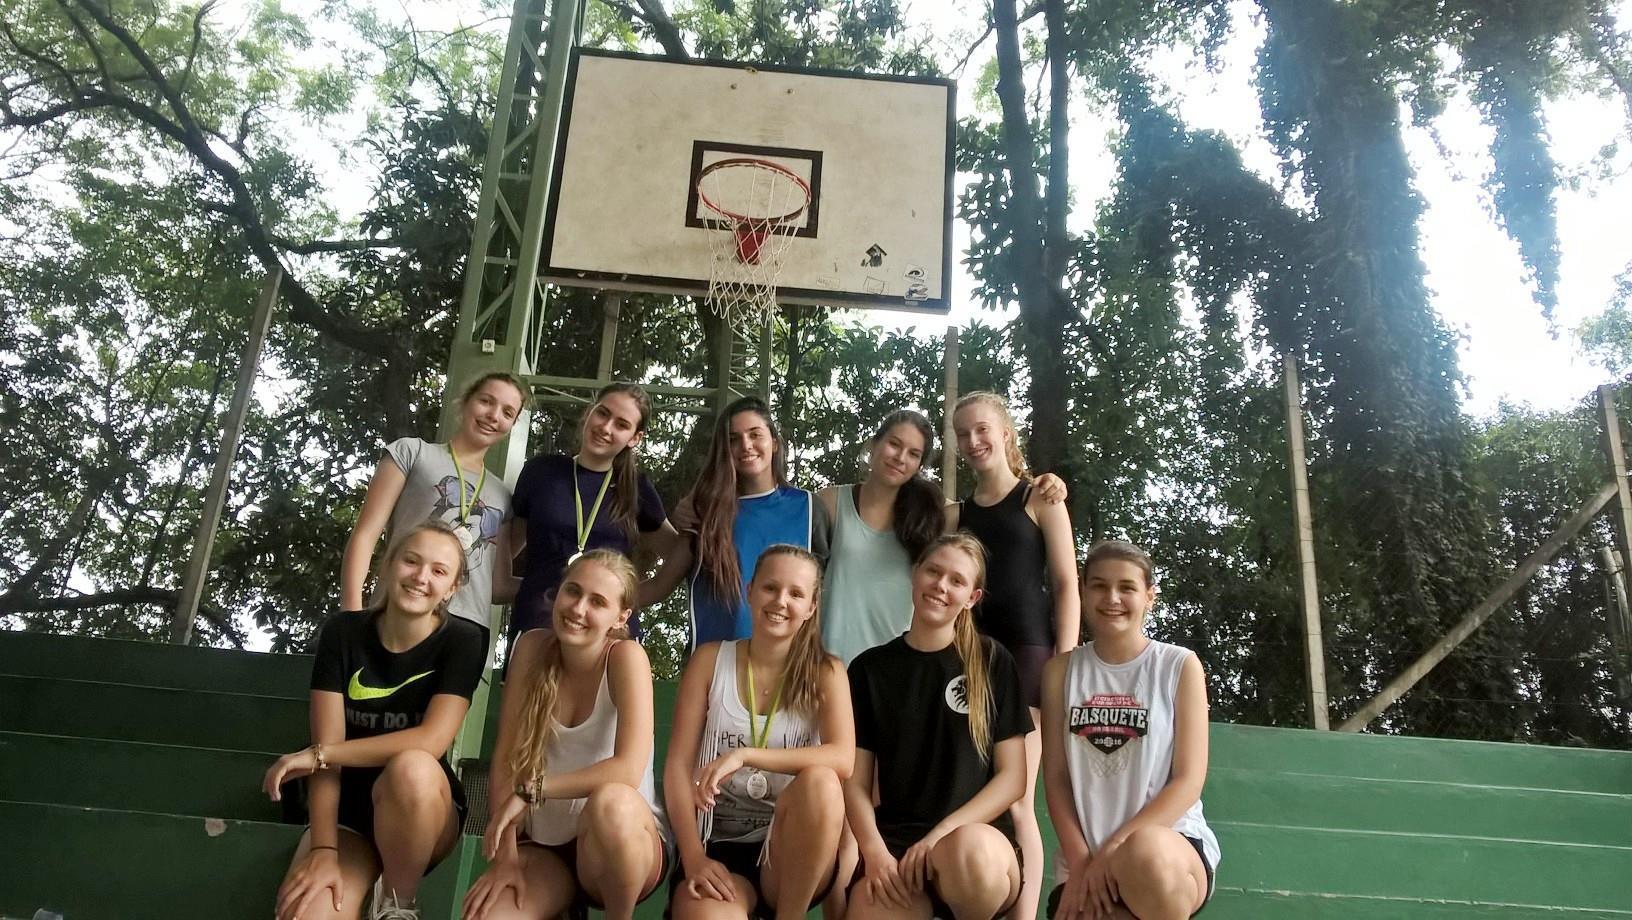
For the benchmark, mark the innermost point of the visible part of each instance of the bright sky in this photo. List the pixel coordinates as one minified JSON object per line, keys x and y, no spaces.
{"x":1509,"y":352}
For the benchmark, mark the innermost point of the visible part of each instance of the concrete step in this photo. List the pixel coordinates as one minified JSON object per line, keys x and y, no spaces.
{"x":1412,"y":806}
{"x":88,"y":863}
{"x":153,"y":664}
{"x":1477,"y":763}
{"x":135,"y":776}
{"x":1236,"y":904}
{"x":1511,"y":871}
{"x":158,"y":715}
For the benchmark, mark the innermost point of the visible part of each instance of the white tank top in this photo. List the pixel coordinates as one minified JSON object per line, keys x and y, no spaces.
{"x":1119,"y":741}
{"x":555,"y":821}
{"x":738,"y":816}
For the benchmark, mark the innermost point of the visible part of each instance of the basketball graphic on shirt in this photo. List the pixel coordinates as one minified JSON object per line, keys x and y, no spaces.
{"x":1113,"y":724}
{"x":957,"y":695}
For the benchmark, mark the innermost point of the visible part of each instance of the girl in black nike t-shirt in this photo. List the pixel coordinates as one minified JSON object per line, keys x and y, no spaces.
{"x":939,"y":714}
{"x":390,"y":687}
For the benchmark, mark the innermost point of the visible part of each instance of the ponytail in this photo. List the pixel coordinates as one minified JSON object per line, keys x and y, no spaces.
{"x":973,"y":653}
{"x":973,"y":650}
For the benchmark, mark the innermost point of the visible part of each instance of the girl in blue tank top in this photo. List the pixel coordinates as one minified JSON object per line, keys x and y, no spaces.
{"x":742,"y":504}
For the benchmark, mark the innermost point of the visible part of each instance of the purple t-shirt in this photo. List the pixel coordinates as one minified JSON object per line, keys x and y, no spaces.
{"x":543,"y":498}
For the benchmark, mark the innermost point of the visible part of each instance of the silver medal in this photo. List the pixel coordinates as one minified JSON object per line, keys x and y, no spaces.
{"x":758,"y":786}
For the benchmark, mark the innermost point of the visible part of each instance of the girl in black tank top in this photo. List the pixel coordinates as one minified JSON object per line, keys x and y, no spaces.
{"x":1031,"y":605}
{"x":1016,"y":609}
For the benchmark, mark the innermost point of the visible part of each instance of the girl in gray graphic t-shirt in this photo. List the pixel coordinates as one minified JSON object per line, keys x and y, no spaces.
{"x":421,"y":480}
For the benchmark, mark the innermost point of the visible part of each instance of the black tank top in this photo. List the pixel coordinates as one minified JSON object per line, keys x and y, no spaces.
{"x":1016,"y":609}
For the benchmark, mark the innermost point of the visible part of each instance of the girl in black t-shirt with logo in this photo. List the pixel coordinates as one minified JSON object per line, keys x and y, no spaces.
{"x":390,"y":687}
{"x":939,"y":714}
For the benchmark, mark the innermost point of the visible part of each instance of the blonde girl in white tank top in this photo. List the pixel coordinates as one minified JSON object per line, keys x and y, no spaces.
{"x":574,"y":818}
{"x":1125,"y":756}
{"x":763,"y":739}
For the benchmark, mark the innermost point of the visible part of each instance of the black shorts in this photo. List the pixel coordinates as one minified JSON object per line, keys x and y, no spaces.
{"x":938,"y":907}
{"x":743,"y":859}
{"x":1028,"y":663}
{"x":356,"y":812}
{"x":1054,"y":896}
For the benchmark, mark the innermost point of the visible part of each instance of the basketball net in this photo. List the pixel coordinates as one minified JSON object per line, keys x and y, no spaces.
{"x":759,"y":203}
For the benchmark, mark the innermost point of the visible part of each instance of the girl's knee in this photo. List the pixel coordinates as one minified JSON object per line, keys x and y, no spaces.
{"x":817,"y":787}
{"x":1149,"y":860}
{"x":411,"y":776}
{"x":976,"y":853}
{"x":616,"y":806}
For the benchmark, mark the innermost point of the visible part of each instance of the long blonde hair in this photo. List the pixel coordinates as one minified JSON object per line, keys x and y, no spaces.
{"x":807,"y":659}
{"x":538,"y":723}
{"x":1011,"y":450}
{"x":971,"y":645}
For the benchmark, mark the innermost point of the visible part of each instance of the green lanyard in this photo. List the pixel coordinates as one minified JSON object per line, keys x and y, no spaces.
{"x":762,"y":739}
{"x":578,"y":507}
{"x":464,"y":507}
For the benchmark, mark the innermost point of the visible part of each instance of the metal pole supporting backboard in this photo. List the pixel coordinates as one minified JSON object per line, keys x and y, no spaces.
{"x":1615,"y":450}
{"x":949,"y":400}
{"x":1314,"y":650}
{"x":232,"y":428}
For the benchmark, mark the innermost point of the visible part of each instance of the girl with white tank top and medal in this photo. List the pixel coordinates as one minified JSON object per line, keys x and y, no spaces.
{"x":1125,"y":756}
{"x":763,"y":738}
{"x":574,"y":817}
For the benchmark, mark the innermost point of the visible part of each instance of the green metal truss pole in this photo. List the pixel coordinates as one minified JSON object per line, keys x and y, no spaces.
{"x":502,"y":298}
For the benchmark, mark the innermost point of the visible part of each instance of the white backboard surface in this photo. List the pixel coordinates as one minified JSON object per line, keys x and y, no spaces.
{"x":876,"y":150}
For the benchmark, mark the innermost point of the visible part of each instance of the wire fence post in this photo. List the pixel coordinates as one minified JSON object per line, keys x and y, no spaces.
{"x":1314,"y":648}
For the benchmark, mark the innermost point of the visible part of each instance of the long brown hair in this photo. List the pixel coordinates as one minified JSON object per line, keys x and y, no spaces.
{"x":1011,"y":450}
{"x":625,"y":468}
{"x":973,"y":650}
{"x":919,"y":513}
{"x":807,"y":659}
{"x":543,"y":685}
{"x":714,"y":499}
{"x":382,"y":574}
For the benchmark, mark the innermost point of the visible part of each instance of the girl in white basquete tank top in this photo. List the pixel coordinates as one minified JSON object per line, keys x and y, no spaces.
{"x":1125,"y":755}
{"x":763,"y":737}
{"x":573,"y":815}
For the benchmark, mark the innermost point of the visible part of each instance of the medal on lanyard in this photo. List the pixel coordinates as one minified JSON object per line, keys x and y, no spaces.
{"x":465,"y":506}
{"x":759,"y":786}
{"x":578,"y":509}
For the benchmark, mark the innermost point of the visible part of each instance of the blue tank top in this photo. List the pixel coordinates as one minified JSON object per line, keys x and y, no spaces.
{"x":782,"y":515}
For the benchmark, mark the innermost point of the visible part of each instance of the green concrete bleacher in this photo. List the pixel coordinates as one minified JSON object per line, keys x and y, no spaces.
{"x":130,"y":773}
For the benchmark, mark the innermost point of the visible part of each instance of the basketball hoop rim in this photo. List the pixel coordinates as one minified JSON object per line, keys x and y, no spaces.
{"x":757,"y":163}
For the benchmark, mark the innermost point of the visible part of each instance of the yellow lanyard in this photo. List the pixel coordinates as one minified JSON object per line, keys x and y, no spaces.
{"x":464,"y":506}
{"x":758,"y":738}
{"x":578,"y":506}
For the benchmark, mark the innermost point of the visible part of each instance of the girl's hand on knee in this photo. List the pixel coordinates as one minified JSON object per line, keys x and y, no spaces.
{"x":1101,"y":886}
{"x":288,"y":767}
{"x":714,"y":774}
{"x":318,"y":874}
{"x":504,"y":877}
{"x":711,"y":880}
{"x":916,"y":870}
{"x":1074,"y":895}
{"x":503,"y":822}
{"x":884,"y":881}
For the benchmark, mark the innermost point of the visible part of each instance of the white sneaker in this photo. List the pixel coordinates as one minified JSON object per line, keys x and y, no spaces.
{"x":387,"y":907}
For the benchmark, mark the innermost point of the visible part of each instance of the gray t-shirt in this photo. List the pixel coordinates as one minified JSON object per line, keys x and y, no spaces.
{"x":432,"y":491}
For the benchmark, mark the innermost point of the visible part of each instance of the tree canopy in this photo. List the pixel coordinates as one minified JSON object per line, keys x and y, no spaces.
{"x":161,"y":156}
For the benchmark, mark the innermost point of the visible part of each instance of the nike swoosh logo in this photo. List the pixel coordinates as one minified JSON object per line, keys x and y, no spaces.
{"x":360,"y":691}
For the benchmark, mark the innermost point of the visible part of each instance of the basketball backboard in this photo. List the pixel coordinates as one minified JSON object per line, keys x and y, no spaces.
{"x":638,"y":132}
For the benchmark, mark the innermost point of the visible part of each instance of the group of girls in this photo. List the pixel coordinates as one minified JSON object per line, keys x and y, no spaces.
{"x":958,"y":624}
